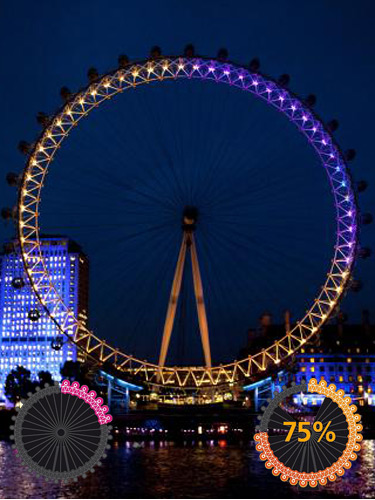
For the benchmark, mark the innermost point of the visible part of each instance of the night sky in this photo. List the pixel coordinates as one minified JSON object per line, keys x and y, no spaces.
{"x":120,"y":182}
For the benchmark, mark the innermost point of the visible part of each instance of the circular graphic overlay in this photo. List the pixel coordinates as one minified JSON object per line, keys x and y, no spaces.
{"x":58,"y":435}
{"x":306,"y":448}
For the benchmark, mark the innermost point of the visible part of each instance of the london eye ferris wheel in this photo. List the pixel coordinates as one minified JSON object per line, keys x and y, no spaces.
{"x":199,"y":238}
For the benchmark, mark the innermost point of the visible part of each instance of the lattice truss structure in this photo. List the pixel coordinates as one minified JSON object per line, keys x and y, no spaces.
{"x":169,"y":68}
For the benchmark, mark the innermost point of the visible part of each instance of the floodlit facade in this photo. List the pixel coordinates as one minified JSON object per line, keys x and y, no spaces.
{"x":347,"y":360}
{"x":26,"y":331}
{"x":344,"y":355}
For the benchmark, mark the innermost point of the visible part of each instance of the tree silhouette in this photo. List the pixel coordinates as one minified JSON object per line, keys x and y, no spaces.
{"x":75,"y":371}
{"x":45,"y":378}
{"x":18,"y":383}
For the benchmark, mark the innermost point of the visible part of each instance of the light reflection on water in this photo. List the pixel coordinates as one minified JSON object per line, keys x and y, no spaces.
{"x":170,"y":470}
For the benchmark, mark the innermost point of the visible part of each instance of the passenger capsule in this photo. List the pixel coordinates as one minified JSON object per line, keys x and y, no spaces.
{"x":92,"y":74}
{"x":364,"y":252}
{"x":9,"y":213}
{"x":366,"y":218}
{"x":189,"y":50}
{"x":356,"y":285}
{"x":155,"y":52}
{"x":65,"y":93}
{"x":284,"y":80}
{"x":361,"y":186}
{"x":9,"y":247}
{"x":333,"y":125}
{"x":33,"y":315}
{"x":310,"y":100}
{"x":24,"y":147}
{"x":57,"y":343}
{"x":6,"y":213}
{"x":350,"y":154}
{"x":123,"y":60}
{"x":18,"y":283}
{"x":254,"y":65}
{"x":13,"y":179}
{"x":222,"y":54}
{"x":42,"y":119}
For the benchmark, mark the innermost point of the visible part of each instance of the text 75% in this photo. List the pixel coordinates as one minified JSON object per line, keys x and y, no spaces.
{"x":317,"y":426}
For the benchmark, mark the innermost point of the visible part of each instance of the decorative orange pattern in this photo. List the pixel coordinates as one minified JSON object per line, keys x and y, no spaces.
{"x":337,"y":468}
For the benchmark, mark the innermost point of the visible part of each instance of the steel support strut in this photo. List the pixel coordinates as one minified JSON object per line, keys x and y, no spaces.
{"x":173,"y":301}
{"x":188,"y":244}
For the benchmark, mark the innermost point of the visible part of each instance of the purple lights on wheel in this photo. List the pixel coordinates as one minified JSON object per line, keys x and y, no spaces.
{"x":317,"y":135}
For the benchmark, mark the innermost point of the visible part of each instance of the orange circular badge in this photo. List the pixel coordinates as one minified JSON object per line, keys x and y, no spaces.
{"x":304,"y":448}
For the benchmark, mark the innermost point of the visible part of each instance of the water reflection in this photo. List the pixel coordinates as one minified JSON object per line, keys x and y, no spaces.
{"x":169,"y":470}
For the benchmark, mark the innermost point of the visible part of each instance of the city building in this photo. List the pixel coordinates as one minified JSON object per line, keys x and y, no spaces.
{"x":342,"y":354}
{"x":26,"y":331}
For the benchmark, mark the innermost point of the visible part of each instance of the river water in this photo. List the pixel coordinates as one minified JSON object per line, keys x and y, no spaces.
{"x":171,"y":470}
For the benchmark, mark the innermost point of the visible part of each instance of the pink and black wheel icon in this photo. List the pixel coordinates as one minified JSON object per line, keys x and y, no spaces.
{"x":58,"y":435}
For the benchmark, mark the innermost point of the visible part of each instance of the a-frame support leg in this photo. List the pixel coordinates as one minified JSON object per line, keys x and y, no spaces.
{"x":173,"y":300}
{"x":188,"y":243}
{"x":201,"y":308}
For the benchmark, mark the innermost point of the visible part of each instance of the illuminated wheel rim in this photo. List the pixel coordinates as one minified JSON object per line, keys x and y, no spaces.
{"x":171,"y":68}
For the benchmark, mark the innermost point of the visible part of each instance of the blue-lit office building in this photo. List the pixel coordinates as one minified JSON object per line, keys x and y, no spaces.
{"x":27,"y":343}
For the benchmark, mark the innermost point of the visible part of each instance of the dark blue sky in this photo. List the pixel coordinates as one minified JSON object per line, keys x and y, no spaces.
{"x":326,"y":47}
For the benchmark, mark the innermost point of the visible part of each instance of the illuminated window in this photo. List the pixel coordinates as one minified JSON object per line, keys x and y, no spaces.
{"x":312,"y":360}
